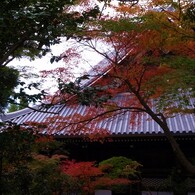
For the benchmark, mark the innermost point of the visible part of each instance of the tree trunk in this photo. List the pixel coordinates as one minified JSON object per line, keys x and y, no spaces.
{"x":185,"y":163}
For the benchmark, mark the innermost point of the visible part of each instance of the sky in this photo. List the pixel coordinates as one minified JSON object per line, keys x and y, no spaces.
{"x":88,"y":59}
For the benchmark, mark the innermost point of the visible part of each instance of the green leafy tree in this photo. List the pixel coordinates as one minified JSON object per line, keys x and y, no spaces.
{"x":119,"y":174}
{"x":27,"y":29}
{"x":22,"y":103}
{"x":120,"y":166}
{"x":8,"y":80}
{"x":15,"y":154}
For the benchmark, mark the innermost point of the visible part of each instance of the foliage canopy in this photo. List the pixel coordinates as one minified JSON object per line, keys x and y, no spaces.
{"x":28,"y":29}
{"x":151,"y":58}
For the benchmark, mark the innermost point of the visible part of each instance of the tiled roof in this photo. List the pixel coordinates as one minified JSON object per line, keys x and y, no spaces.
{"x":118,"y":125}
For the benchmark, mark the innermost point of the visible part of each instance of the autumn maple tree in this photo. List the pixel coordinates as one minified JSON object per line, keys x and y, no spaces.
{"x":83,"y":173}
{"x":108,"y":174}
{"x":151,"y":59}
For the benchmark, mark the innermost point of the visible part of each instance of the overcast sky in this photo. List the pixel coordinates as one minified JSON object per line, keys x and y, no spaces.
{"x":89,"y":59}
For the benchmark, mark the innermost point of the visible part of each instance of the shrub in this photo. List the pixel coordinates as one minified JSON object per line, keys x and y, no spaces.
{"x":120,"y":167}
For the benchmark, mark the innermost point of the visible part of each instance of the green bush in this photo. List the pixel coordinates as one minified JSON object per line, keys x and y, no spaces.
{"x":120,"y":167}
{"x":24,"y":170}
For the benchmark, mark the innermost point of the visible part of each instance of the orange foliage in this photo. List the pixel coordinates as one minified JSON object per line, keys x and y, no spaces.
{"x":82,"y":170}
{"x":84,"y":173}
{"x":90,"y":176}
{"x":135,"y":68}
